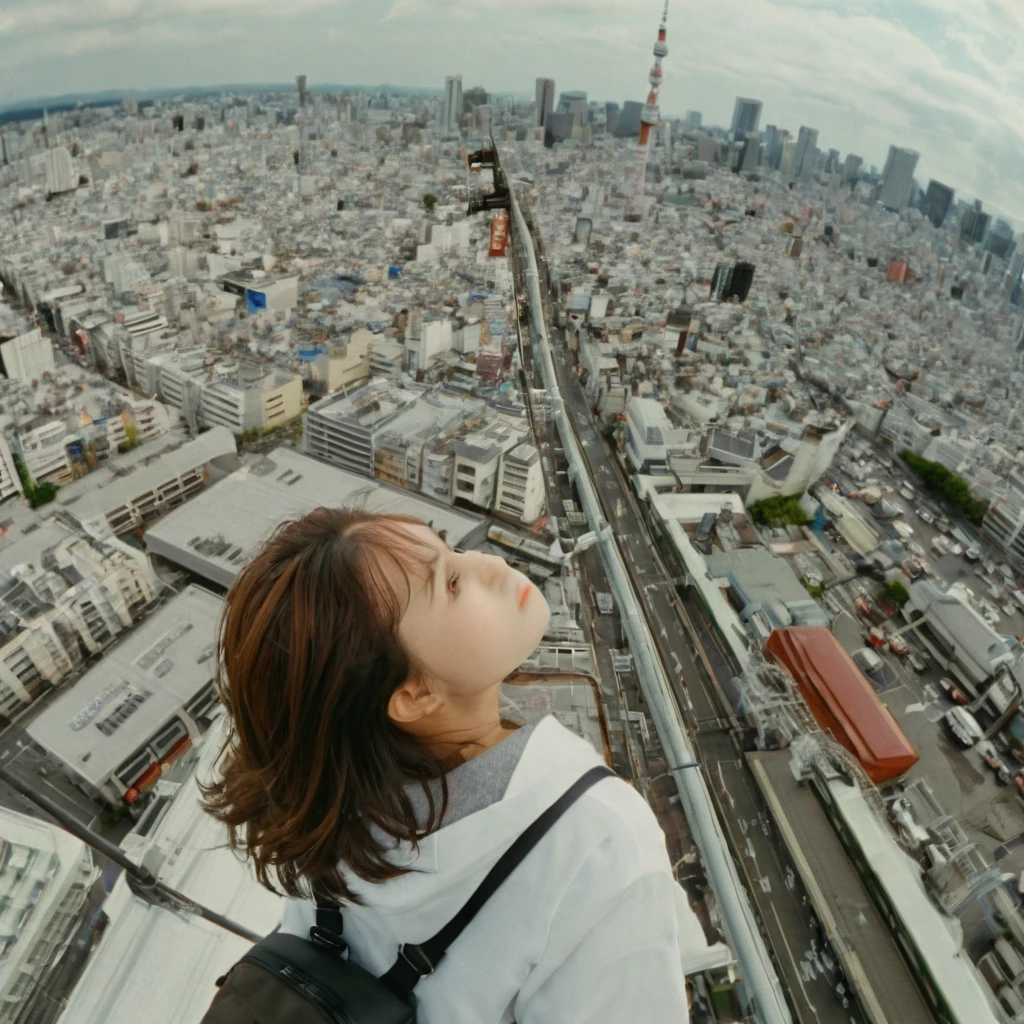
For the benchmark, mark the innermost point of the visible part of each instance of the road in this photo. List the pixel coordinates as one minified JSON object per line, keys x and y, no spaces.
{"x":695,"y":664}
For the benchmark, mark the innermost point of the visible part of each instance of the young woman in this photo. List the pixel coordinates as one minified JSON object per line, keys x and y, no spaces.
{"x":361,"y":663}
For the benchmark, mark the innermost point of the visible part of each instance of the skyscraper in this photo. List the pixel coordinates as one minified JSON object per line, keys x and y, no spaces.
{"x":750,"y":152}
{"x":772,"y":147}
{"x":545,"y":99}
{"x":898,"y":178}
{"x":746,"y":116}
{"x":807,"y":139}
{"x":694,"y":119}
{"x":60,"y":172}
{"x":937,"y":201}
{"x":851,"y":168}
{"x":568,"y":98}
{"x":451,"y":106}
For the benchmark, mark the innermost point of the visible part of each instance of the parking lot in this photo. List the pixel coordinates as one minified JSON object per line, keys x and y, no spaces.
{"x":991,"y":813}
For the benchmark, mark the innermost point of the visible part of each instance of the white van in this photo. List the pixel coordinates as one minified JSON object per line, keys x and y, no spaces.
{"x":964,"y":726}
{"x":867,"y":660}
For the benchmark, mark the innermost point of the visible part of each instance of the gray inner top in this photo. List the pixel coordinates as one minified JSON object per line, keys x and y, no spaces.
{"x":479,"y":782}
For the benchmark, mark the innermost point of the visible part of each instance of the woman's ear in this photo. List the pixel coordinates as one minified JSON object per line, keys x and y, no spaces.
{"x":411,"y":703}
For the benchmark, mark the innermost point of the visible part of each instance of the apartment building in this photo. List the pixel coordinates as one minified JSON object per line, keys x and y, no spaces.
{"x":46,"y":877}
{"x":520,"y":486}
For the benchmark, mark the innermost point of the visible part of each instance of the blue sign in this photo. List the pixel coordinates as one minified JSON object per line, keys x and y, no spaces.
{"x":254,"y":300}
{"x":394,"y":272}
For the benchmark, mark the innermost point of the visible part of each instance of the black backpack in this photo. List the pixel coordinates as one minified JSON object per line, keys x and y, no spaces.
{"x":285,"y":979}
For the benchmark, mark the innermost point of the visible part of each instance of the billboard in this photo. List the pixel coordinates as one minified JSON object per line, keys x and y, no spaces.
{"x":499,"y":234}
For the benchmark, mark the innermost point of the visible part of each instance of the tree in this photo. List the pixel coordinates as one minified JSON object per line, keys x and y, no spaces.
{"x":953,"y":490}
{"x":783,"y":510}
{"x":897,"y":593}
{"x":430,"y":201}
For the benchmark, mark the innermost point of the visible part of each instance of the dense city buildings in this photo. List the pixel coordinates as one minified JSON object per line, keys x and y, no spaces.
{"x":777,"y":506}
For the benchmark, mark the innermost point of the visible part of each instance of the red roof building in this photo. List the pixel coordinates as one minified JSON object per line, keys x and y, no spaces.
{"x":842,"y":700}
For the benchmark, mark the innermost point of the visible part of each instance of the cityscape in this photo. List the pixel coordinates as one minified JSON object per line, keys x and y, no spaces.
{"x":744,"y":406}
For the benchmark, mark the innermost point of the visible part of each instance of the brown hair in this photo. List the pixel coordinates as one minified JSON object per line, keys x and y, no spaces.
{"x":308,"y":657}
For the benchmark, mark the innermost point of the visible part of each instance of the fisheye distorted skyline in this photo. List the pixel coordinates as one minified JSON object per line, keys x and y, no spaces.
{"x":944,"y":77}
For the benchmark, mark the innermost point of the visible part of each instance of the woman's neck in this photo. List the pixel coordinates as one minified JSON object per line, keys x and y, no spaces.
{"x":467,"y":729}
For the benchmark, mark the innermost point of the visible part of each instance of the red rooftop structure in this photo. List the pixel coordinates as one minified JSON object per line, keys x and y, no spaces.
{"x":842,"y":700}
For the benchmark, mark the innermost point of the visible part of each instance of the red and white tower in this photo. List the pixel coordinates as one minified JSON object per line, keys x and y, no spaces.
{"x":648,"y":119}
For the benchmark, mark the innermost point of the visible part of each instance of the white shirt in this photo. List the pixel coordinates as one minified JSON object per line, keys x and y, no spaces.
{"x":590,"y":927}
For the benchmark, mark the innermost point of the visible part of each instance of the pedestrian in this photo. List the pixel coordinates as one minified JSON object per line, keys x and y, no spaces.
{"x":370,"y":754}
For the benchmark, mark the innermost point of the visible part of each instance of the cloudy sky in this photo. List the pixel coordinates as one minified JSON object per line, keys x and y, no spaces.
{"x":945,"y":77}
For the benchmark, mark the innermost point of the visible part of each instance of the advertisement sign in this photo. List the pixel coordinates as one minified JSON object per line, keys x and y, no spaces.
{"x":499,"y":234}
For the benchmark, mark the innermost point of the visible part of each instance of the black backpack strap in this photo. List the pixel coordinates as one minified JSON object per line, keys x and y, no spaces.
{"x":329,"y":923}
{"x":417,"y":961}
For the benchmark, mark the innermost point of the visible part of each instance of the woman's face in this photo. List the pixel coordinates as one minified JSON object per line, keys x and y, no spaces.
{"x":472,"y":619}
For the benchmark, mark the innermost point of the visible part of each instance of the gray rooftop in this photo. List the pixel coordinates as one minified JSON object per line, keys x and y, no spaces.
{"x":86,"y":501}
{"x":168,"y":655}
{"x":217,"y":532}
{"x":848,"y":914}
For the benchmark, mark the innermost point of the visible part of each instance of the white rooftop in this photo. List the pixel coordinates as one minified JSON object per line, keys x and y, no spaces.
{"x":156,"y":966}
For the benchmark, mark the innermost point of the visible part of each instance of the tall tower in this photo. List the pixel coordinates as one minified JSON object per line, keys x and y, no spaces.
{"x":648,"y":119}
{"x":300,"y":84}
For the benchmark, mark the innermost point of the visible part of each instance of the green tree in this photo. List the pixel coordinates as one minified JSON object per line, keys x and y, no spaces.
{"x":43,"y":494}
{"x":949,"y":488}
{"x":430,"y":201}
{"x":783,"y":510}
{"x":897,"y":593}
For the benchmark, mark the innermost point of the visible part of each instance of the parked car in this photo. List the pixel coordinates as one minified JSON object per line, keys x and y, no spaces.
{"x":973,"y":553}
{"x":925,"y":516}
{"x":862,"y":606}
{"x":867,"y":661}
{"x":964,"y":726}
{"x":942,"y":525}
{"x":899,"y":646}
{"x":906,"y":491}
{"x":956,"y":548}
{"x":952,"y":691}
{"x":915,"y":548}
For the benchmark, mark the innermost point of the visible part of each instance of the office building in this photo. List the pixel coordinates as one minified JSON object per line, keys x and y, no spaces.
{"x":451,"y":105}
{"x":628,"y":123}
{"x":27,"y":357}
{"x":568,"y":98}
{"x":60,"y":172}
{"x":611,"y":117}
{"x":545,"y":100}
{"x":144,"y":705}
{"x":806,"y":139}
{"x":1003,"y":525}
{"x":746,"y":116}
{"x":694,"y":119}
{"x":851,"y":168}
{"x":749,"y":155}
{"x":1000,"y":240}
{"x":898,"y":178}
{"x":773,"y":140}
{"x":937,"y":200}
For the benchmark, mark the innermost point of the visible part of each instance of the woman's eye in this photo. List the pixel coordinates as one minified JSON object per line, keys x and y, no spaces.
{"x":453,"y":584}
